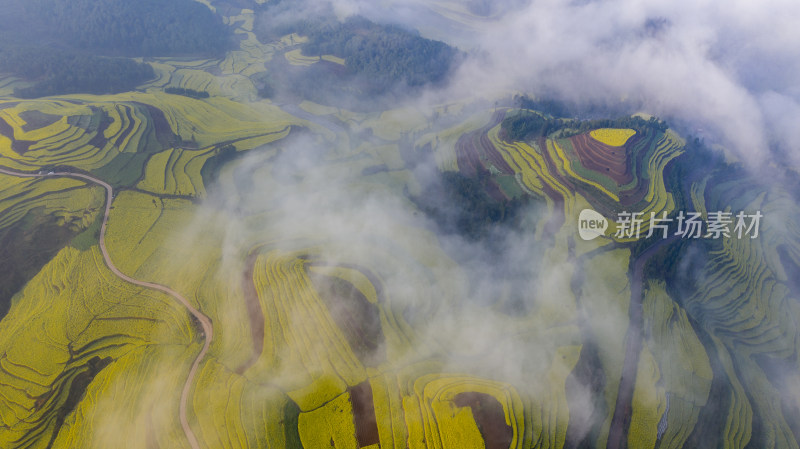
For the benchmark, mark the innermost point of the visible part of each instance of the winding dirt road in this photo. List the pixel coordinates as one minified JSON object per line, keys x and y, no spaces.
{"x":208,"y":329}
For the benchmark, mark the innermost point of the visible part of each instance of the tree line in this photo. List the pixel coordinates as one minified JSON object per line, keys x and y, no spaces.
{"x":191,"y":93}
{"x":542,"y":118}
{"x":461,"y":205}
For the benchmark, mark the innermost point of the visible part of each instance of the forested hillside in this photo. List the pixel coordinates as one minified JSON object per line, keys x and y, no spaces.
{"x":63,"y":72}
{"x":133,"y":28}
{"x":383,"y":55}
{"x":82,"y":46}
{"x":378,"y":58}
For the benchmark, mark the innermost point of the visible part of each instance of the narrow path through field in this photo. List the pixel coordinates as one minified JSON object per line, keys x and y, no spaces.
{"x":208,"y":329}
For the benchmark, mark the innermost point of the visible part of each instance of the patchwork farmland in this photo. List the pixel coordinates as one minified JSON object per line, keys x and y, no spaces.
{"x":211,"y":266}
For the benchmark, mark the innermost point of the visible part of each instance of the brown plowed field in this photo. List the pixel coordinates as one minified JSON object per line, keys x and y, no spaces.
{"x":611,"y":161}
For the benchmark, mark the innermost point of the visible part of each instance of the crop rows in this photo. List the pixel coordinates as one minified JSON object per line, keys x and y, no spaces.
{"x":649,"y":402}
{"x":133,"y":402}
{"x":747,"y":309}
{"x":176,"y":172}
{"x":71,"y":200}
{"x":72,"y":312}
{"x":446,"y":143}
{"x":228,"y":76}
{"x":530,"y":167}
{"x":564,"y":164}
{"x":353,"y":276}
{"x":59,"y":143}
{"x":477,"y":149}
{"x":236,"y":412}
{"x":682,"y":361}
{"x":609,"y":295}
{"x":628,"y":177}
{"x":613,"y":162}
{"x":388,"y":403}
{"x":330,"y":425}
{"x":113,"y":139}
{"x":300,"y":330}
{"x":296,"y":57}
{"x":434,"y":420}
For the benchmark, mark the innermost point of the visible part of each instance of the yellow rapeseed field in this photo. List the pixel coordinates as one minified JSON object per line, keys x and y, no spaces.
{"x":614,"y":137}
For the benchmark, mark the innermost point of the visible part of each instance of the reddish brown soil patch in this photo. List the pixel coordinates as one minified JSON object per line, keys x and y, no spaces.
{"x":475,"y":152}
{"x":488,"y":414}
{"x":18,"y":146}
{"x":467,"y":156}
{"x":602,"y":158}
{"x":474,"y":147}
{"x":631,"y":197}
{"x":254,"y":312}
{"x":364,"y":414}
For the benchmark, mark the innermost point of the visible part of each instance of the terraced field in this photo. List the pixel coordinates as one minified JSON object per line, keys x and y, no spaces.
{"x":612,"y":137}
{"x":334,"y":326}
{"x":40,"y":392}
{"x":627,"y":177}
{"x":133,"y":137}
{"x":750,"y":320}
{"x":233,"y":272}
{"x":617,"y":170}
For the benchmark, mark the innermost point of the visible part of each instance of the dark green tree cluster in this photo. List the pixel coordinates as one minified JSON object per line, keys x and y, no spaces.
{"x":277,"y":18}
{"x":133,"y":28}
{"x":63,"y":72}
{"x":529,"y":124}
{"x":191,"y":93}
{"x":547,"y":106}
{"x":460,"y":205}
{"x":637,"y":123}
{"x":379,"y":59}
{"x":585,"y":110}
{"x":384,"y":55}
{"x":78,"y":46}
